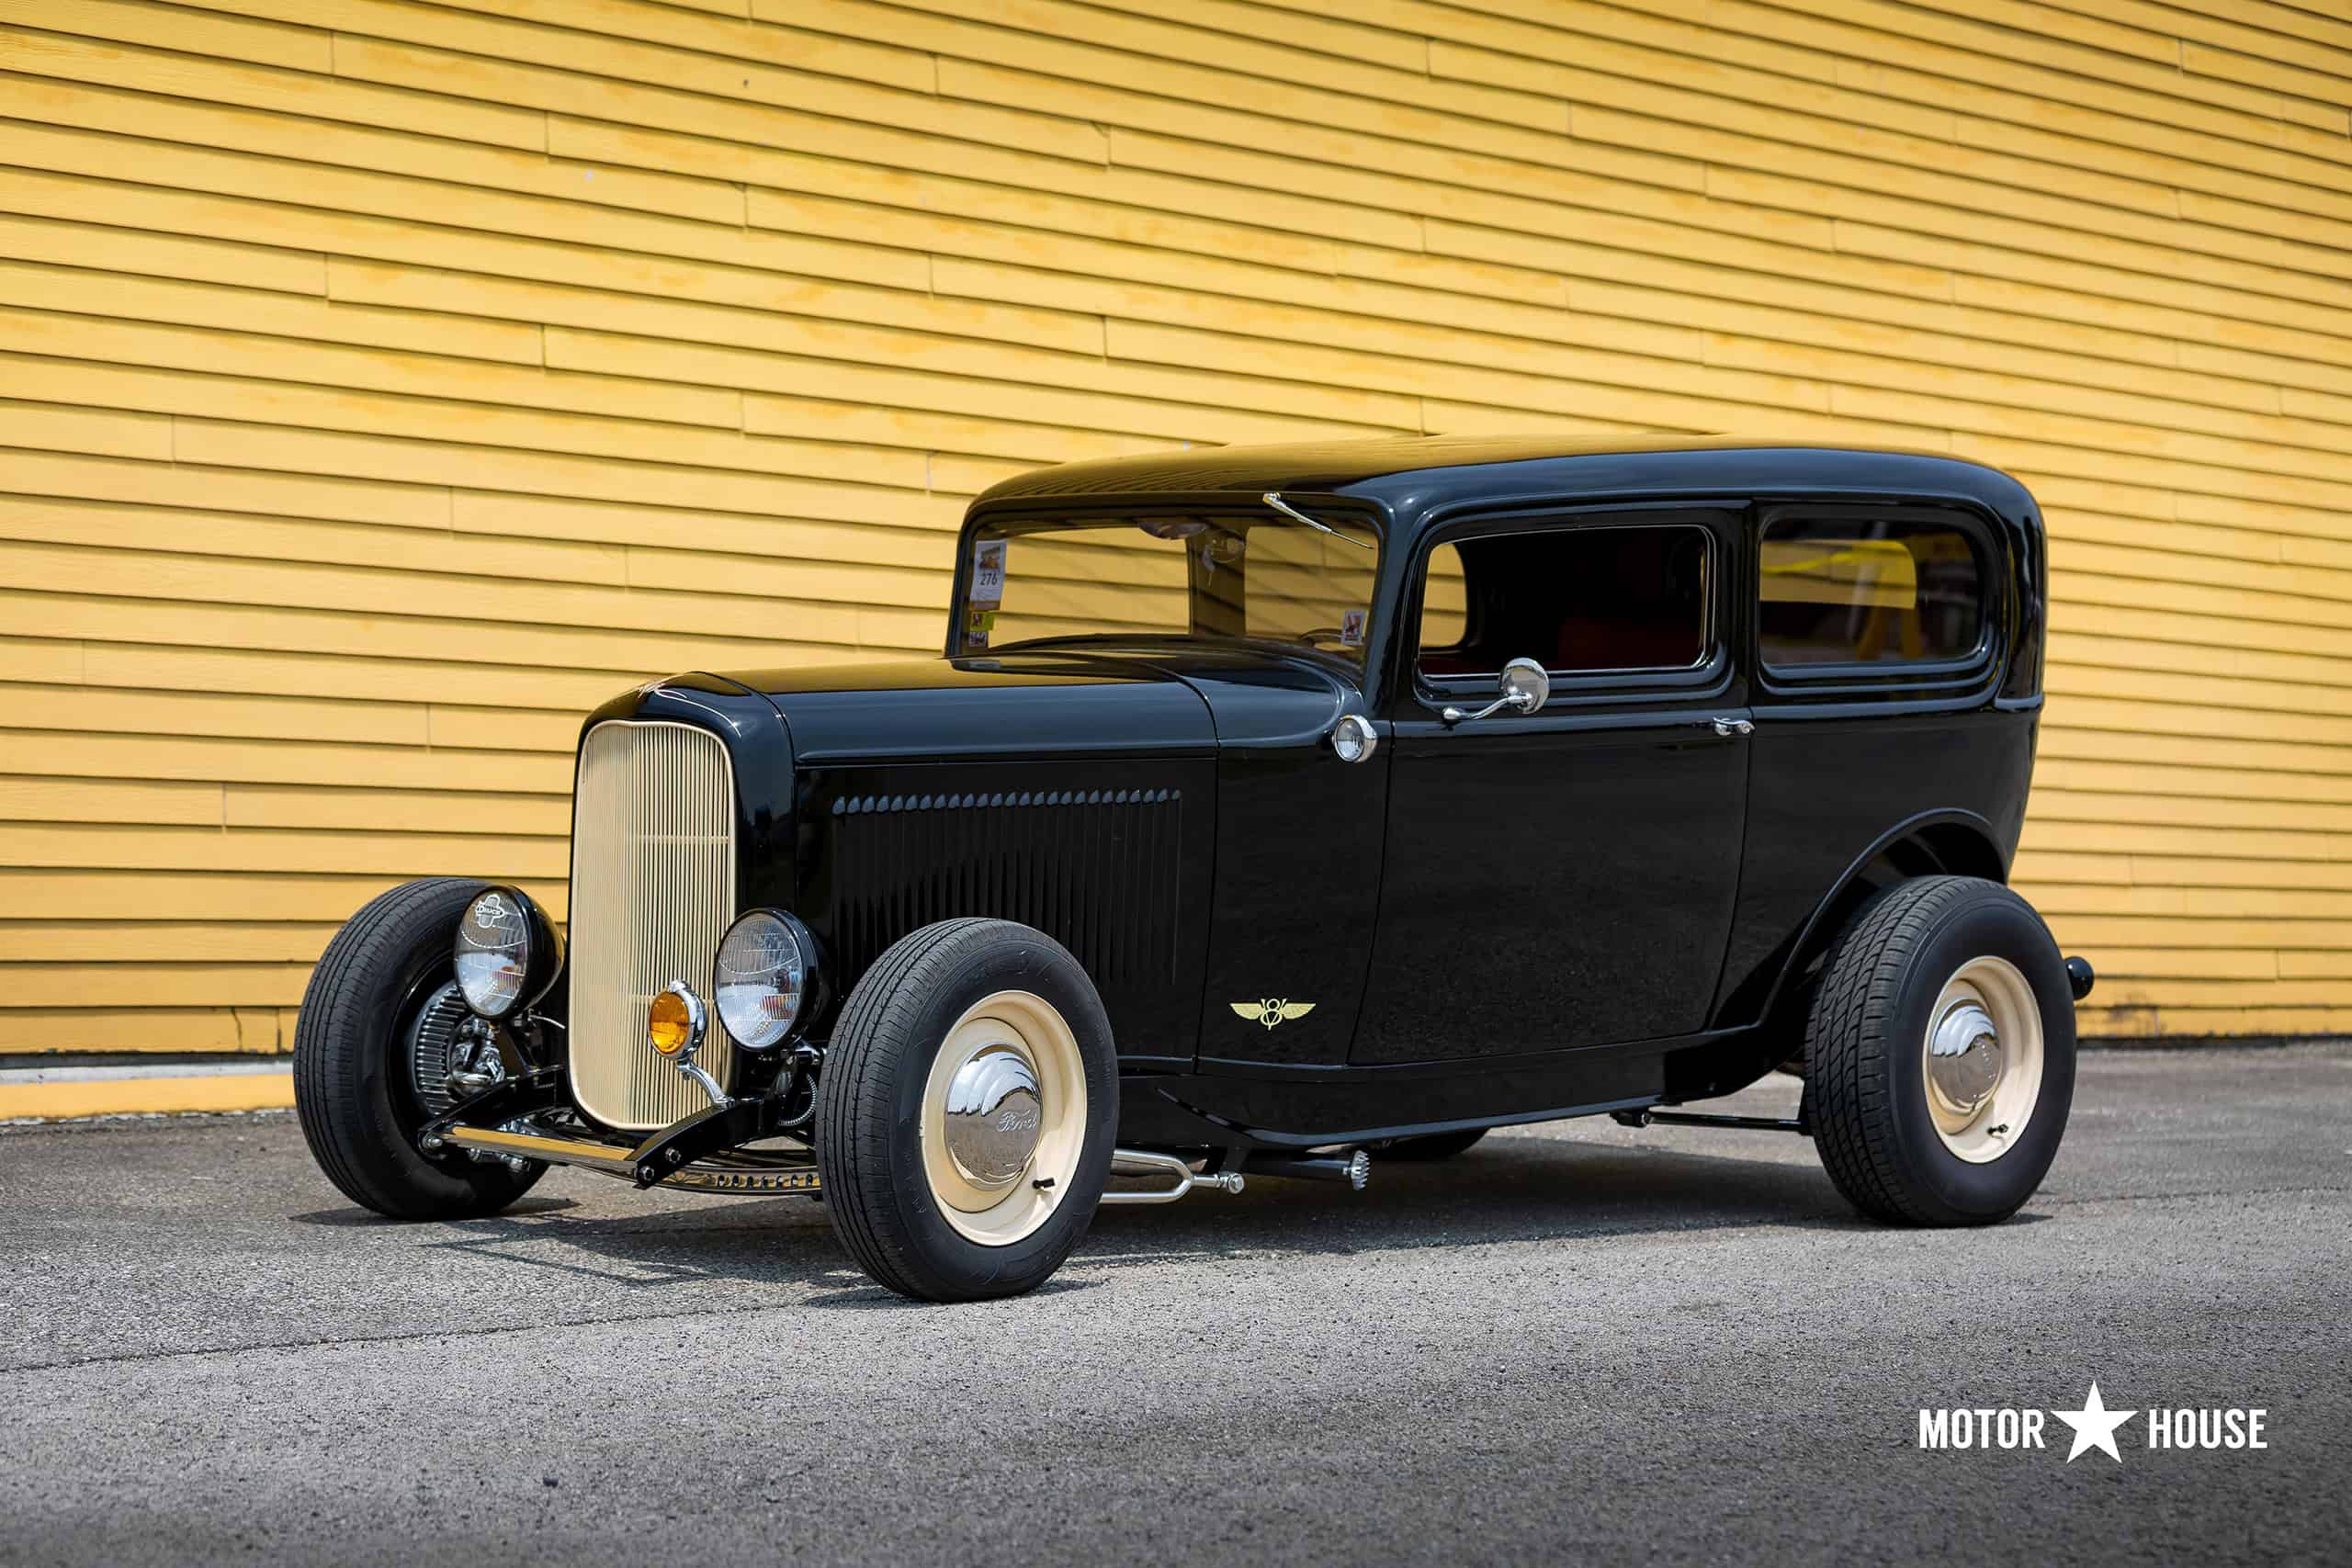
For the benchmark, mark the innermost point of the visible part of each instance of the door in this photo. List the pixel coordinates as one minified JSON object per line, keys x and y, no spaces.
{"x":1564,"y":877}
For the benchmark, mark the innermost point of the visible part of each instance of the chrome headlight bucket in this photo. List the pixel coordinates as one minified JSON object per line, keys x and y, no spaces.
{"x":506,"y":951}
{"x":763,"y":979}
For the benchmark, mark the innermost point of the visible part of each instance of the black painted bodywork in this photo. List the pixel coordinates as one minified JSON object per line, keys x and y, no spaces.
{"x":1605,"y":904}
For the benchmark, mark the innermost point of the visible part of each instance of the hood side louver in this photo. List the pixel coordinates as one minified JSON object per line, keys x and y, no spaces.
{"x":1096,"y":869}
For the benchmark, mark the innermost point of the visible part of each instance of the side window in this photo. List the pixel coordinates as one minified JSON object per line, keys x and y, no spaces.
{"x":1862,"y":591}
{"x":1580,"y":601}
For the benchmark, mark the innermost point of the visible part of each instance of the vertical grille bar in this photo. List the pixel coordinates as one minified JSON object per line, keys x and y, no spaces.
{"x":653,"y":891}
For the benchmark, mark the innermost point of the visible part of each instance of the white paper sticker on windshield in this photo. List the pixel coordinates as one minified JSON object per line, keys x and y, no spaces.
{"x":1351,"y":628}
{"x":987,"y":574}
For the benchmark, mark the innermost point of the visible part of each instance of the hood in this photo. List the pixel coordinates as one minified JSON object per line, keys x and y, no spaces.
{"x":1009,"y":704}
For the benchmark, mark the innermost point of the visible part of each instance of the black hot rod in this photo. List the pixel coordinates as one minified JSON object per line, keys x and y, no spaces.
{"x":1271,"y":811}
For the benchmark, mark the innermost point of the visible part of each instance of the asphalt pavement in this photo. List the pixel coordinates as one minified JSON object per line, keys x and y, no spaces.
{"x":1577,"y":1341}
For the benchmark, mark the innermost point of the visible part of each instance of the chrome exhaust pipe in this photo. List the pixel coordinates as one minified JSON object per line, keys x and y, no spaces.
{"x":1350,"y":1166}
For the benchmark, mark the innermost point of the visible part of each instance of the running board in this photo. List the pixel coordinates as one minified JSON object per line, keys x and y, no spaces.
{"x":1710,"y":1119}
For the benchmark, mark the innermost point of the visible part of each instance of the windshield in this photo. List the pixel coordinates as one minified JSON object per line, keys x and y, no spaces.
{"x":1202,"y":575}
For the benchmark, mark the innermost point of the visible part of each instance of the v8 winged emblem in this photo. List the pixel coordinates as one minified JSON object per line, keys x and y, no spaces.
{"x":1272,"y":1011}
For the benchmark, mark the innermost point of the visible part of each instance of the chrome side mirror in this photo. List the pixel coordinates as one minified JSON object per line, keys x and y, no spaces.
{"x":1527,"y":686}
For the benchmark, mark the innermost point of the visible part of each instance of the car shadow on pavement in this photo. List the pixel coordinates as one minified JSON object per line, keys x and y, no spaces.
{"x":1505,"y":1191}
{"x":773,"y":1240}
{"x":1499,"y":1192}
{"x":342,"y":1219}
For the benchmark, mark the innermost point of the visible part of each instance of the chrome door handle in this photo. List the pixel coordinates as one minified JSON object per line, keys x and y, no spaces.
{"x":1727,"y":728}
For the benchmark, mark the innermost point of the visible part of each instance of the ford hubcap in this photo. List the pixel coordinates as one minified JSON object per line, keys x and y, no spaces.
{"x":1964,"y":1059}
{"x":995,"y":1113}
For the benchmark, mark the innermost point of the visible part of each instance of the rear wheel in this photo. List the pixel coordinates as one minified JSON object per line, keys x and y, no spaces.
{"x":1941,"y":1053}
{"x":377,"y":1037}
{"x":966,"y":1111}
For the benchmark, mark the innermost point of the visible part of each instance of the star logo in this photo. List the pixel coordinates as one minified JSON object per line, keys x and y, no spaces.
{"x":2094,"y":1426}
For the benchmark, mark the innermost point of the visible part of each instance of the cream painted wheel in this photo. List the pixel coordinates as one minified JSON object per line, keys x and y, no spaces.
{"x":1004,"y":1118}
{"x":1981,"y":1061}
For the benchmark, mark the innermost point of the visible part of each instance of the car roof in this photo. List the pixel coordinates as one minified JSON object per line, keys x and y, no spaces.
{"x":1409,"y":475}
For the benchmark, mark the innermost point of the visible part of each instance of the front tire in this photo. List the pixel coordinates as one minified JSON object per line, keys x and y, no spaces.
{"x":353,"y":1088}
{"x":966,"y":1111}
{"x":1941,"y":1053}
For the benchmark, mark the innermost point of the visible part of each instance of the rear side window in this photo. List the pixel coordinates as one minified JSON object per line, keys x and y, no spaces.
{"x":1577,"y":600}
{"x":1848,"y":590}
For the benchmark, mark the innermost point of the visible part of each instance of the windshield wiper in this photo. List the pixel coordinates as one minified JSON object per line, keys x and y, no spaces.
{"x":1274,"y":497}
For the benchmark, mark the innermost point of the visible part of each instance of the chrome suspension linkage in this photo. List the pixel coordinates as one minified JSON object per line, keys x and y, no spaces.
{"x":1144,"y":1162}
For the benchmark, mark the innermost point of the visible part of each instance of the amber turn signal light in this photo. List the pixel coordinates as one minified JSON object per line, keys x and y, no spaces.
{"x":670,"y":1021}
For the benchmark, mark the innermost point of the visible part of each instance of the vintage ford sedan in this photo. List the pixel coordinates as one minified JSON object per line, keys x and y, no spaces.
{"x":1268,"y":813}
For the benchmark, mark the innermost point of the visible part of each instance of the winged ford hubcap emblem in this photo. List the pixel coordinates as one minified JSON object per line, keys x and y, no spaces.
{"x":1272,"y":1011}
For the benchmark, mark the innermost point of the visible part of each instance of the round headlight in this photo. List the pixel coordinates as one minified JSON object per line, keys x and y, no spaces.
{"x":507,"y":952}
{"x":761,"y":979}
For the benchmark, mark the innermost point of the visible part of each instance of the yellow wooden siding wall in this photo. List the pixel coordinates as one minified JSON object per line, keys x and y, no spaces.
{"x":383,"y":383}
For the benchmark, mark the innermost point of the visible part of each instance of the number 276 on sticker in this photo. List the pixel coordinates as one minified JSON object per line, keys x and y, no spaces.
{"x":988,"y":572}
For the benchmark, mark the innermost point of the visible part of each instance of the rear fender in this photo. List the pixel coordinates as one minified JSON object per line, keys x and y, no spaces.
{"x":1949,"y":841}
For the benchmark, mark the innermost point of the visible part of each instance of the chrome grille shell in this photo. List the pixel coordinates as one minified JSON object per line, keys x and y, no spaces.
{"x":653,"y":862}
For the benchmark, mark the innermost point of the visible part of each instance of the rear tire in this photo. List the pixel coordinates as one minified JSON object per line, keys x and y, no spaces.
{"x":1915,"y":1146}
{"x":360,"y":1113}
{"x":912,"y":1215}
